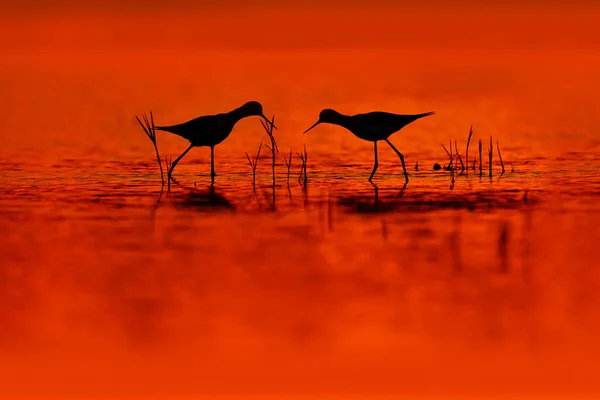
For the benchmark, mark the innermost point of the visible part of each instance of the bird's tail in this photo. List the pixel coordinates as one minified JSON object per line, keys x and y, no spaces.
{"x":425,"y":114}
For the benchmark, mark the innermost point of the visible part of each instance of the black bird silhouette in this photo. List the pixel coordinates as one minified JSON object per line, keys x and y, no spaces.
{"x":210,"y":130}
{"x":372,"y":127}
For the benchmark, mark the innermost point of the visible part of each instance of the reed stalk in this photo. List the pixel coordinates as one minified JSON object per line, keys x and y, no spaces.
{"x":149,"y":130}
{"x":468,"y":142}
{"x":480,"y":158}
{"x":491,"y":152}
{"x":449,"y":155}
{"x":304,"y":159}
{"x":462,"y":166}
{"x":253,"y":164}
{"x":288,"y":164}
{"x":273,"y":147}
{"x":500,"y":155}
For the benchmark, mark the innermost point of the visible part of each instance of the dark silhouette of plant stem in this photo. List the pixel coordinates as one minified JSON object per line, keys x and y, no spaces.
{"x":450,"y":167}
{"x":500,"y":155}
{"x":269,"y":130}
{"x":301,"y":157}
{"x":480,"y":165}
{"x":467,"y":153}
{"x":304,"y":159}
{"x":490,"y":155}
{"x":305,"y":166}
{"x":453,"y":167}
{"x":168,"y":163}
{"x":149,"y":130}
{"x":449,"y":155}
{"x":288,"y":164}
{"x":462,"y":166}
{"x":253,"y":164}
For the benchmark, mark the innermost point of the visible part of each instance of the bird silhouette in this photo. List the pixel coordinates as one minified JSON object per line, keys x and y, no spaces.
{"x":210,"y":130}
{"x":372,"y":127}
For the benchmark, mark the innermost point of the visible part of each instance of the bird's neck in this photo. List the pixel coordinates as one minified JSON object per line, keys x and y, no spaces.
{"x":237,"y":114}
{"x":340,"y":120}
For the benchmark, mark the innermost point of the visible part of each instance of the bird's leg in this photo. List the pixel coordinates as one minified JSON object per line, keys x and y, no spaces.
{"x":376,"y":162}
{"x":177,"y":160}
{"x":401,"y":159}
{"x":212,"y":165}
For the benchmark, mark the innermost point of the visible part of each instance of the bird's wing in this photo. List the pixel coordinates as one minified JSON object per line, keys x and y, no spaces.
{"x":205,"y":123}
{"x":381,"y":118}
{"x":376,"y":118}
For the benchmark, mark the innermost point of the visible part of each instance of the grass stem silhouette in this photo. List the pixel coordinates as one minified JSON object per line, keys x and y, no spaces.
{"x":449,"y":155}
{"x":467,"y":153}
{"x":500,"y":155}
{"x":168,"y":163}
{"x":480,"y":165}
{"x":288,"y":164}
{"x":304,"y":159}
{"x":491,"y":152}
{"x":450,"y":166}
{"x":273,"y":147}
{"x":253,"y":164}
{"x":150,"y":131}
{"x":462,"y":166}
{"x":305,"y":166}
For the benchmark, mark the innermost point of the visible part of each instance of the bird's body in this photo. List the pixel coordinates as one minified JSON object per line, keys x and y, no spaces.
{"x":211,"y":130}
{"x":373,"y":127}
{"x":207,"y":130}
{"x":377,"y":125}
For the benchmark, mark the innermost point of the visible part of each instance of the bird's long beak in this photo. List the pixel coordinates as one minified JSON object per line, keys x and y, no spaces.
{"x":315,"y":124}
{"x":268,"y":121}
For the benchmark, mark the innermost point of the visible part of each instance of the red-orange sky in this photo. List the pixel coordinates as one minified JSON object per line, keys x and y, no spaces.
{"x":267,"y":24}
{"x":540,"y":57}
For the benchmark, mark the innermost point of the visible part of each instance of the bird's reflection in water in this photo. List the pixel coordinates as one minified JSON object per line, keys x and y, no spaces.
{"x":374,"y":203}
{"x":200,"y":199}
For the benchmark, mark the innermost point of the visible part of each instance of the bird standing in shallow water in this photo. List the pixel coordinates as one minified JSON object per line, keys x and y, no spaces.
{"x":372,"y":127}
{"x":210,"y":130}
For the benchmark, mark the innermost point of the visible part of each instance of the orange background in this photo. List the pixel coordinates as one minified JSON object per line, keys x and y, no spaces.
{"x":262,"y":25}
{"x":72,"y":77}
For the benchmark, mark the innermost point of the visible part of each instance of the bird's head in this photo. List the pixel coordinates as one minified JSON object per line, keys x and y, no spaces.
{"x":327,"y":116}
{"x":255,"y":108}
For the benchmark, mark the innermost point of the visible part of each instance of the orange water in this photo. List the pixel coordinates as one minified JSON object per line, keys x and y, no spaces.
{"x":110,"y":289}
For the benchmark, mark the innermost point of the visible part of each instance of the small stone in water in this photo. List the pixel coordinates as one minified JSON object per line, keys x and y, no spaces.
{"x":436,"y":167}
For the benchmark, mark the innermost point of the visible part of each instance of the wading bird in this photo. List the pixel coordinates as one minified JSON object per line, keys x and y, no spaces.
{"x":372,"y":127}
{"x":210,"y":130}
